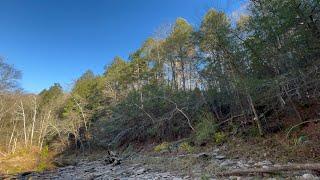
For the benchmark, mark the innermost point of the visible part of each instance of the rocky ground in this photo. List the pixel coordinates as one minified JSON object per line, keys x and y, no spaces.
{"x":188,"y":166}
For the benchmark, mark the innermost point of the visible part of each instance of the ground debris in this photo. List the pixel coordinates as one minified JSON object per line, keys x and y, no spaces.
{"x":112,"y":158}
{"x":275,"y":169}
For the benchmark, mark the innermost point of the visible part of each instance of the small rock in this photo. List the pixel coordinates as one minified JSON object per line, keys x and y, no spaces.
{"x":234,"y":178}
{"x":140,"y":171}
{"x":263,"y":163}
{"x":203,"y":156}
{"x":165,"y":175}
{"x":177,"y":178}
{"x":251,"y":162}
{"x":227,"y":163}
{"x":216,"y":150}
{"x":220,"y":157}
{"x":309,"y":176}
{"x":242,"y":164}
{"x":90,"y":170}
{"x":266,"y":162}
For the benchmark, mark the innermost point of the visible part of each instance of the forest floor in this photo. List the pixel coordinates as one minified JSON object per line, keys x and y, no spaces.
{"x":205,"y":163}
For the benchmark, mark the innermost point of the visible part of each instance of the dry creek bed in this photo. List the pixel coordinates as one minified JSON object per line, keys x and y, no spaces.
{"x":131,"y":169}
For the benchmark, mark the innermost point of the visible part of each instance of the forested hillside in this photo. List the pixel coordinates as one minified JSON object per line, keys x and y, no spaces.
{"x":251,"y":78}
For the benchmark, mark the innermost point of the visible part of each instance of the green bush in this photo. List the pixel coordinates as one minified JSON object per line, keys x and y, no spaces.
{"x":43,"y":163}
{"x":253,"y":132}
{"x":206,"y":127}
{"x":219,"y":137}
{"x":185,"y":147}
{"x":162,"y":147}
{"x":300,"y":140}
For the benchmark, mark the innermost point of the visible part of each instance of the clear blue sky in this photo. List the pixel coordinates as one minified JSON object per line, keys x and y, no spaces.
{"x":57,"y":40}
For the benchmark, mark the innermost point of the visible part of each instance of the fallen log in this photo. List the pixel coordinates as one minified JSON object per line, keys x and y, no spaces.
{"x":271,"y":170}
{"x":112,"y":158}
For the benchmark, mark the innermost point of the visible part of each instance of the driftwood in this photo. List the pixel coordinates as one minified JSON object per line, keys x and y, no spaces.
{"x":275,"y":169}
{"x":112,"y":158}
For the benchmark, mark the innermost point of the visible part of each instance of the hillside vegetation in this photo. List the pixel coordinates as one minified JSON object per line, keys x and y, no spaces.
{"x":253,"y":79}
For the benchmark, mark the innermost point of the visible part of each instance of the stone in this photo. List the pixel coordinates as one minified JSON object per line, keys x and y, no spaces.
{"x":220,"y":157}
{"x":140,"y":171}
{"x":250,"y":161}
{"x":176,"y":178}
{"x":235,"y":178}
{"x":203,"y":156}
{"x":266,"y":162}
{"x":263,"y":163}
{"x":242,"y":164}
{"x":216,"y":150}
{"x":227,"y":163}
{"x":309,"y":176}
{"x":165,"y":175}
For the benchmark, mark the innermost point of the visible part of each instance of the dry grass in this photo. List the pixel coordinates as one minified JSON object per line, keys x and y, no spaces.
{"x":25,"y":160}
{"x":275,"y":147}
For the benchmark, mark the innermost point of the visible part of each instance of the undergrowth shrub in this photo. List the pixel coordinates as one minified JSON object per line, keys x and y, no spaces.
{"x":27,"y":159}
{"x":43,"y":159}
{"x":219,"y":137}
{"x":300,"y":140}
{"x":206,"y":127}
{"x":162,"y":147}
{"x":186,"y":147}
{"x":253,"y":132}
{"x":162,"y":115}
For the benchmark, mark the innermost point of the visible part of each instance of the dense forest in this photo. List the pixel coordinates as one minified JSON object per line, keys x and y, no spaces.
{"x":250,"y":78}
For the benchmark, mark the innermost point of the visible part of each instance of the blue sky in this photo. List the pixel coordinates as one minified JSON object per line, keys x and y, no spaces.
{"x":58,"y":40}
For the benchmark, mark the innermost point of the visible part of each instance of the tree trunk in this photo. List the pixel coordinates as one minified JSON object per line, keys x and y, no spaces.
{"x":256,"y":117}
{"x":24,"y":124}
{"x":34,"y":120}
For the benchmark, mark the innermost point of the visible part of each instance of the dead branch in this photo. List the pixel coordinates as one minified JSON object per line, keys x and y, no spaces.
{"x":291,"y":167}
{"x":180,"y":110}
{"x":142,"y":109}
{"x":82,"y":113}
{"x":230,"y":119}
{"x":3,"y":154}
{"x":189,"y":122}
{"x":289,"y":132}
